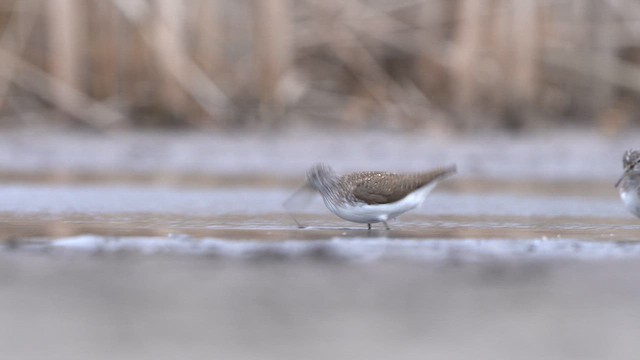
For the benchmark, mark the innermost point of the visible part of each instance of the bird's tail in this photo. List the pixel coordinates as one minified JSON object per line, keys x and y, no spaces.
{"x":440,"y":173}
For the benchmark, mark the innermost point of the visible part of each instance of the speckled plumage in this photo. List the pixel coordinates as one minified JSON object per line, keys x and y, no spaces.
{"x":629,"y":183}
{"x":373,"y":196}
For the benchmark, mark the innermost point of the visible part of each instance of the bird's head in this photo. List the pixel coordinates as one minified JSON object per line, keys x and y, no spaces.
{"x":630,"y":162}
{"x":321,"y":177}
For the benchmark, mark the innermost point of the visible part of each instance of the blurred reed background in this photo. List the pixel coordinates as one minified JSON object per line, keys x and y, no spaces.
{"x":436,"y":64}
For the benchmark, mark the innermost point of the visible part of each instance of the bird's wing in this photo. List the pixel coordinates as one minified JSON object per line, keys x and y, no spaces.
{"x":384,"y":188}
{"x":372,"y":188}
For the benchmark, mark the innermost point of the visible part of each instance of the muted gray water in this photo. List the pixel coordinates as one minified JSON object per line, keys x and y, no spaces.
{"x":165,"y":246}
{"x":252,"y":201}
{"x":555,"y":154}
{"x":141,"y":307}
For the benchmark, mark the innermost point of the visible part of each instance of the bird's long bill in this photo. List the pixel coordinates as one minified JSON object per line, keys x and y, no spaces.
{"x":299,"y":200}
{"x":624,"y":175}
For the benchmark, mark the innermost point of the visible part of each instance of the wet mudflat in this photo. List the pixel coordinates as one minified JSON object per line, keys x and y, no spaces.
{"x":156,"y":246}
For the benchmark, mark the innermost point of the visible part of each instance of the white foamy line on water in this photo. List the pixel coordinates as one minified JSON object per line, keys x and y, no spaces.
{"x":352,"y":249}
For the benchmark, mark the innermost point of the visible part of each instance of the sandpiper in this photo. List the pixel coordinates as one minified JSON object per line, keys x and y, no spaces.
{"x":629,"y":183}
{"x":373,"y":196}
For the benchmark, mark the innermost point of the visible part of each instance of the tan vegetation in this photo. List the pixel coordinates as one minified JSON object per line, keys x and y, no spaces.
{"x":439,"y":64}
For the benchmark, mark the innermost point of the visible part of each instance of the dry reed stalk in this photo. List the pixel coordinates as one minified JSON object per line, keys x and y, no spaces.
{"x":169,"y":39}
{"x":501,"y":45}
{"x":577,"y":50}
{"x":187,"y":74}
{"x":526,"y":48}
{"x":104,"y":27}
{"x":466,"y":53}
{"x":14,"y":39}
{"x":375,"y":83}
{"x":78,"y":104}
{"x":184,"y":42}
{"x":209,"y":39}
{"x":66,"y":36}
{"x":429,"y":38}
{"x":431,"y":42}
{"x":605,"y":36}
{"x":209,"y":45}
{"x":626,"y":75}
{"x":273,"y":49}
{"x":378,"y":90}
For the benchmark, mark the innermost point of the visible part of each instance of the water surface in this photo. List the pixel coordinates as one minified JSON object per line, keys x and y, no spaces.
{"x":164,"y":246}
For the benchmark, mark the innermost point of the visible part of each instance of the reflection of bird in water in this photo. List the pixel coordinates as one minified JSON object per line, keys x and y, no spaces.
{"x":629,"y":183}
{"x":372,"y":196}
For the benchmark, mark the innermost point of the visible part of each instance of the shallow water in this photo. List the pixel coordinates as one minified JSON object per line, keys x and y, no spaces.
{"x":545,"y":185}
{"x":160,"y":246}
{"x":257,"y":213}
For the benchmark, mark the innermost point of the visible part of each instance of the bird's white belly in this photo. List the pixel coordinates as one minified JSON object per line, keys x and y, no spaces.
{"x":382,"y":212}
{"x":631,"y":201}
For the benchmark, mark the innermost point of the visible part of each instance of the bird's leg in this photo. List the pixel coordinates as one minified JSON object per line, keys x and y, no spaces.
{"x":386,"y":226}
{"x":368,"y":226}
